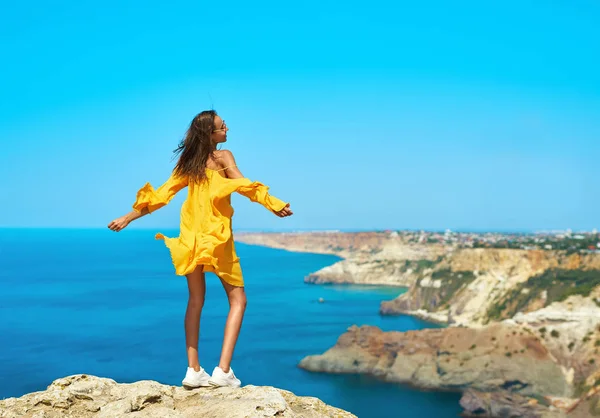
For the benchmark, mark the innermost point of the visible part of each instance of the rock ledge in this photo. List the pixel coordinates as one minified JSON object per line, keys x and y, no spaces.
{"x":85,"y":396}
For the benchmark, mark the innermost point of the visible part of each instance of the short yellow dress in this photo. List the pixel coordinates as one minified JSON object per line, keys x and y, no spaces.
{"x":205,"y":236}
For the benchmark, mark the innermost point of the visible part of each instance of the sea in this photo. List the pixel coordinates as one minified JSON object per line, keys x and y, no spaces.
{"x":109,"y":304}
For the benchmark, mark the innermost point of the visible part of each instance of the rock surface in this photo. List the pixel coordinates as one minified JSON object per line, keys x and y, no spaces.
{"x":466,"y":284}
{"x":491,"y":358}
{"x":85,"y":396}
{"x":377,"y":272}
{"x":504,"y":370}
{"x":370,"y":258}
{"x":504,"y":404}
{"x":524,"y":335}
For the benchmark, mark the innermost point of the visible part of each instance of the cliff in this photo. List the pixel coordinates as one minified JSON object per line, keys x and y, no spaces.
{"x":370,"y":258}
{"x":500,"y":367}
{"x":524,"y":335}
{"x":475,"y":286}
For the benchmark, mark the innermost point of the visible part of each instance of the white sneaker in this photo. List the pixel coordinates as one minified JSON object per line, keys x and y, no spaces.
{"x":195,"y":379}
{"x":220,"y":378}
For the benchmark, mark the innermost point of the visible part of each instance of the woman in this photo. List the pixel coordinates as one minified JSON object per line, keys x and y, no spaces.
{"x":205,"y":243}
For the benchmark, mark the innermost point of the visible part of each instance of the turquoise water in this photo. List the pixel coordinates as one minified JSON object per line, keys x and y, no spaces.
{"x":109,"y":304}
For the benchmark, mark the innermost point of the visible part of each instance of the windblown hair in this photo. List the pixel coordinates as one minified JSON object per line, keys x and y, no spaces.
{"x":196,"y":147}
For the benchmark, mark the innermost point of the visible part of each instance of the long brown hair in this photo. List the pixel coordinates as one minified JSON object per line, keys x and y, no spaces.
{"x":195,"y":148}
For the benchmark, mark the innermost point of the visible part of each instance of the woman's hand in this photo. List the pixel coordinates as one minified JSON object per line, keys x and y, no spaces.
{"x":286,"y":211}
{"x":119,"y":223}
{"x":123,"y":221}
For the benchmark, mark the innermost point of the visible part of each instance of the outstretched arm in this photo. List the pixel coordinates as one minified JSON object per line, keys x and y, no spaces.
{"x":124,"y":220}
{"x":151,"y":199}
{"x":256,"y":195}
{"x":148,"y":200}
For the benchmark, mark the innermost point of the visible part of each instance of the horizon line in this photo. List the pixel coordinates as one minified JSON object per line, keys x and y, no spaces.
{"x":334,"y":230}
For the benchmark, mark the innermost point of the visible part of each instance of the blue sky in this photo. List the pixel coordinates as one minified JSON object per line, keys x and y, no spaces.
{"x":459,"y":115}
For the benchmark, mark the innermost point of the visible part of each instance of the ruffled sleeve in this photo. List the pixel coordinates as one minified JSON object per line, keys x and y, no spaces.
{"x":258,"y":192}
{"x":153,"y":199}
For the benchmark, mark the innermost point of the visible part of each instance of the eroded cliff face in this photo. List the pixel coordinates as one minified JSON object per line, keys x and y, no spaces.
{"x":499,"y":367}
{"x":475,"y":286}
{"x":550,"y":295}
{"x":379,"y":271}
{"x":495,"y":357}
{"x":369,"y":258}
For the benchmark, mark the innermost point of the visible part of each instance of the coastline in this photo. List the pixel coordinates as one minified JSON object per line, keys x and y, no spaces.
{"x":471,"y":290}
{"x":261,"y":239}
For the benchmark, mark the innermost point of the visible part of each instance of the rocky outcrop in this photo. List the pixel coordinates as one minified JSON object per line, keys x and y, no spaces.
{"x":505,"y":404}
{"x":570,"y":330}
{"x":508,"y":404}
{"x":89,"y":396}
{"x":554,"y":296}
{"x":474,"y":286}
{"x":500,"y":366}
{"x":381,"y":272}
{"x":370,"y":258}
{"x":539,"y":309}
{"x":491,"y":358}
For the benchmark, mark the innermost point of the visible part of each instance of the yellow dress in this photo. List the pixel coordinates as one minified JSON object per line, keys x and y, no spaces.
{"x":206,"y":236}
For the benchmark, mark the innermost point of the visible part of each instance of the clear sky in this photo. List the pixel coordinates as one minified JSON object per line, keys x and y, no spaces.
{"x":364,"y":115}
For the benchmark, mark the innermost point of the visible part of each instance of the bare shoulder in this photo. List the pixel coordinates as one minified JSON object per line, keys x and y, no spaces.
{"x":225,"y":157}
{"x":226,"y":161}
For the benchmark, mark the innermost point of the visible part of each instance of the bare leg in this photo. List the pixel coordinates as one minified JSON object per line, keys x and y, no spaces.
{"x":197,"y":291}
{"x":237,"y":306}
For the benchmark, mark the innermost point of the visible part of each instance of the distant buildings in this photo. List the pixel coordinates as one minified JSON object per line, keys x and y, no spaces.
{"x":553,"y":240}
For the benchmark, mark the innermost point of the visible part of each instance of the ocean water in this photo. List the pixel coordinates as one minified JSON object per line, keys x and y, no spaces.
{"x":108,"y":304}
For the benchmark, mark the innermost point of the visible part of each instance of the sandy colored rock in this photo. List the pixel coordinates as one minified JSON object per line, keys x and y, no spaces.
{"x":495,"y":273}
{"x":505,"y":404}
{"x":370,"y":258}
{"x":490,"y":358}
{"x":379,"y":272}
{"x":85,"y":396}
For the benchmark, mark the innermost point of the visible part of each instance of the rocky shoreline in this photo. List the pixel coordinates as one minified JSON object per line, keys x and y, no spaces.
{"x":530,"y":320}
{"x":500,"y":367}
{"x":497,"y":357}
{"x":86,"y":396}
{"x":368,"y":258}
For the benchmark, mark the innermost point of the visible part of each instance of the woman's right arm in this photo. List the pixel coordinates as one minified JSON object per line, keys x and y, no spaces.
{"x":148,"y":200}
{"x":120,"y":223}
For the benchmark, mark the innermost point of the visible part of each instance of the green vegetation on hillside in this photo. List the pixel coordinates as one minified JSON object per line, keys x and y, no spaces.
{"x":418,"y":266}
{"x":570,"y":245}
{"x":558,"y":283}
{"x":451,"y":283}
